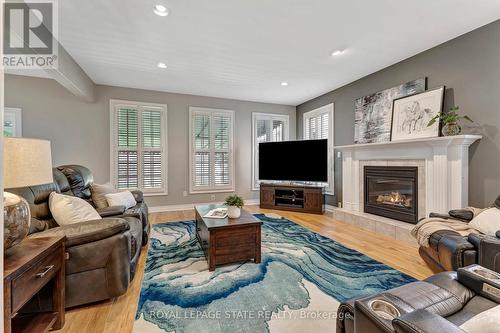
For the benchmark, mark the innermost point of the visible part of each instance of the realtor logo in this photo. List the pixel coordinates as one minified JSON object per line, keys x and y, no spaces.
{"x":30,"y":35}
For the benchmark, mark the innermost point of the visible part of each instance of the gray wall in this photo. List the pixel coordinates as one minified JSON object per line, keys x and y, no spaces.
{"x":79,"y":131}
{"x":469,"y":66}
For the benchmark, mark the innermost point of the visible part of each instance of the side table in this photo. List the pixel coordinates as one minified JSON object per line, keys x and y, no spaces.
{"x":28,"y":267}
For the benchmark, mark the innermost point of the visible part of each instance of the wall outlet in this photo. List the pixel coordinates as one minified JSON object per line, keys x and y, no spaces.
{"x":185,"y":193}
{"x":212,"y":197}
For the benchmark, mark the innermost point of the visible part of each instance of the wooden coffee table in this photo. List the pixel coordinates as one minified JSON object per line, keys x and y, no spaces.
{"x":227,"y":240}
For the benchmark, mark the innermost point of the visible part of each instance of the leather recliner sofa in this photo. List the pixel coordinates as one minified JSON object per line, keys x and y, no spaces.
{"x":102,"y":255}
{"x":448,"y":250}
{"x":80,"y":180}
{"x":441,"y":303}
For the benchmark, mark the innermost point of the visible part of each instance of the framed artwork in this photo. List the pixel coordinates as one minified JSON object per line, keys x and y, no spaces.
{"x":12,"y":122}
{"x":373,"y":113}
{"x":411,"y":114}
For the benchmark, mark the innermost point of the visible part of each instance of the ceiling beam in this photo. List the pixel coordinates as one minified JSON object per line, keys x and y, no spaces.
{"x":68,"y":74}
{"x":72,"y":77}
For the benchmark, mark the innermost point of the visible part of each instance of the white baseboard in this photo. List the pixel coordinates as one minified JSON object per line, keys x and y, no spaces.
{"x":174,"y":208}
{"x":330,"y":208}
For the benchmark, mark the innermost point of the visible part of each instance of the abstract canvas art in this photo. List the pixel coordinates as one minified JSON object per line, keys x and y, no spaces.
{"x":411,"y":115}
{"x":373,"y":113}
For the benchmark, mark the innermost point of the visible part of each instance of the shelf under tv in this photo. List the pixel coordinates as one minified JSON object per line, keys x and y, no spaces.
{"x":296,"y":197}
{"x":285,"y":197}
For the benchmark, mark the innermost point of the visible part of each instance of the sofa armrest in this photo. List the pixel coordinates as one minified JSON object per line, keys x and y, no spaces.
{"x":111,"y":211}
{"x":452,"y":250}
{"x":423,"y":321}
{"x":458,"y":214}
{"x":37,"y":225}
{"x":138,"y":195}
{"x":441,"y":216}
{"x":87,"y":232}
{"x":488,"y":248}
{"x":461,"y":214}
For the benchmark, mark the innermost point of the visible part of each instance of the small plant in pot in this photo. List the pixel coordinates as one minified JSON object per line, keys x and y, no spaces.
{"x":234,"y":204}
{"x":449,"y":120}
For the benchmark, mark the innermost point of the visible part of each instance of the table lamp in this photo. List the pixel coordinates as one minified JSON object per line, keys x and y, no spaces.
{"x":27,"y":162}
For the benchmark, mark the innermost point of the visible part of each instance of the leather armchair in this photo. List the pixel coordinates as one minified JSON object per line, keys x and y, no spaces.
{"x":441,"y":303}
{"x":448,"y":250}
{"x":102,"y":254}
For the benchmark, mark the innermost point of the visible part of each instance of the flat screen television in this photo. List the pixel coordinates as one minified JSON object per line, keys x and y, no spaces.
{"x":305,"y":161}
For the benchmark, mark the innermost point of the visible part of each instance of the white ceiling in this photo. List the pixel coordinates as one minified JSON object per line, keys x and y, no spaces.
{"x":243,"y":49}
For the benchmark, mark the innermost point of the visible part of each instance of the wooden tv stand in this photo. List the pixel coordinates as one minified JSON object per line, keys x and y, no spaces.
{"x":297,"y":198}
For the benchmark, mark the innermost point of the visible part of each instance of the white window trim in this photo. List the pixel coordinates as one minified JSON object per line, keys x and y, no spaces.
{"x":265,"y":116}
{"x":113,"y":105}
{"x":330,"y":108}
{"x":232,"y":177}
{"x":17,"y":113}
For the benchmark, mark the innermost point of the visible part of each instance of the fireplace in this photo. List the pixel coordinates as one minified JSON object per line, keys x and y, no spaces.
{"x":391,"y":191}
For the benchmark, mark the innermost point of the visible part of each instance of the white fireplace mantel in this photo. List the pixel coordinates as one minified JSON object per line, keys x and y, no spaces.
{"x":446,"y":168}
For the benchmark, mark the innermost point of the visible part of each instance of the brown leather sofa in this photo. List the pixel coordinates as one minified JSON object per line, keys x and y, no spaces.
{"x":102,"y":254}
{"x":80,"y":179}
{"x":441,"y":303}
{"x":448,"y":250}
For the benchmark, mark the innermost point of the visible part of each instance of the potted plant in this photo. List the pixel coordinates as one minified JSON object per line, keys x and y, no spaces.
{"x":450,"y":121}
{"x":234,"y":204}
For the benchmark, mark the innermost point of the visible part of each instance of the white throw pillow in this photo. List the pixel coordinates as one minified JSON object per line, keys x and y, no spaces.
{"x":67,"y":209}
{"x":487,"y":222}
{"x":125,"y":198}
{"x":485,"y":322}
{"x":98,"y":192}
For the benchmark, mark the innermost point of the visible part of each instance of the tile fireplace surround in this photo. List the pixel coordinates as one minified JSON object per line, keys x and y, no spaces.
{"x":443,"y":178}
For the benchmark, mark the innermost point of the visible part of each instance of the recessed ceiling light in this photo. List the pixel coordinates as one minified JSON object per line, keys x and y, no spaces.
{"x":284,"y":84}
{"x":162,"y":65}
{"x":160,"y":10}
{"x":337,"y":52}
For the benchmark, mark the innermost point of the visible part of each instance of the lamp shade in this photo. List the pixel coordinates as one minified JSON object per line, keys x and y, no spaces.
{"x":27,"y":162}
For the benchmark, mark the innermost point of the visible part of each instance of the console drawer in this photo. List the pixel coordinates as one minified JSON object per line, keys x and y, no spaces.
{"x":32,"y":280}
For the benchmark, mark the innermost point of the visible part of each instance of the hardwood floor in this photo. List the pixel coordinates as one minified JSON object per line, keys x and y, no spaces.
{"x":117,"y":315}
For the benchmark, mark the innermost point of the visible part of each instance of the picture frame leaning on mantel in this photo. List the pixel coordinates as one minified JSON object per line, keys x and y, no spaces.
{"x":411,"y":115}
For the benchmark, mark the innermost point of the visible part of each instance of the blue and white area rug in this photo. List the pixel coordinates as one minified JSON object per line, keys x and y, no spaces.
{"x":297,"y":287}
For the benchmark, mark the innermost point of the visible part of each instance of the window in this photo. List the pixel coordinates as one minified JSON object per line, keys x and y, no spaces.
{"x":266,"y":128}
{"x":211,"y":150}
{"x":138,"y":146}
{"x":318,"y":124}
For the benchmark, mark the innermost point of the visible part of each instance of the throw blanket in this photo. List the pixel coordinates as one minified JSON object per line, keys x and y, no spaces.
{"x":425,"y":228}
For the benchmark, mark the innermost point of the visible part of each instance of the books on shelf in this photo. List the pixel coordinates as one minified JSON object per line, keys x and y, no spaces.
{"x":217,"y":213}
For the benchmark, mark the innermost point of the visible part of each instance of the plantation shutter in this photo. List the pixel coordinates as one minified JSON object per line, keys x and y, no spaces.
{"x":127,"y":148}
{"x":202,"y":145}
{"x":221,"y":153}
{"x":316,"y":127}
{"x":140,"y":151}
{"x":267,"y":128}
{"x":152,"y":150}
{"x":211,"y":156}
{"x":318,"y":124}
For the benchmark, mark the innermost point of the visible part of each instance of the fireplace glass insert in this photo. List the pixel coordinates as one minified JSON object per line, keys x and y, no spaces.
{"x":391,"y":191}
